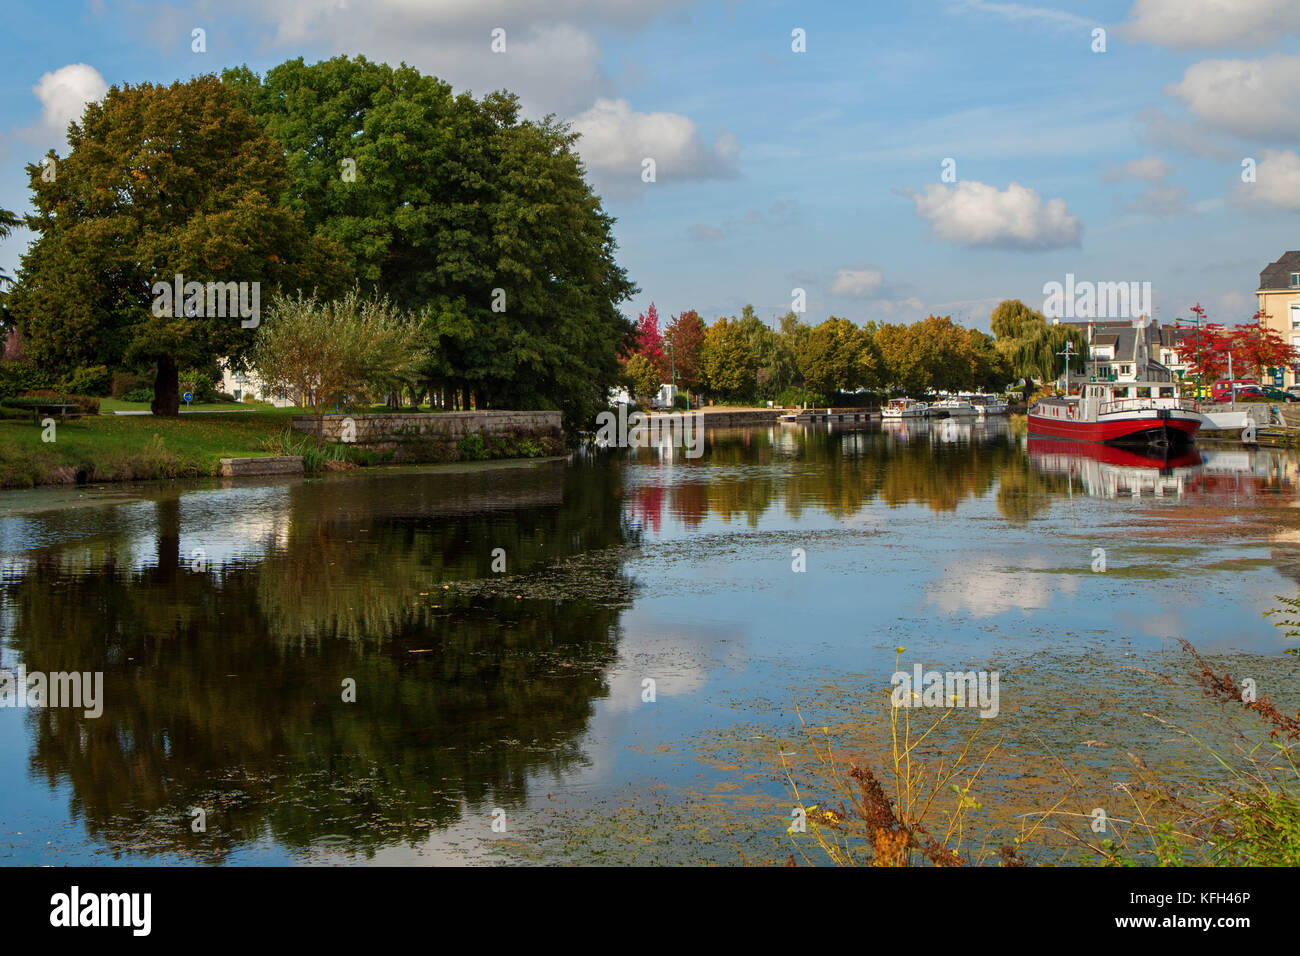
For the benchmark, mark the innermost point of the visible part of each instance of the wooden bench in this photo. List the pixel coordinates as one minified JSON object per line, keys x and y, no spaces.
{"x":63,"y":411}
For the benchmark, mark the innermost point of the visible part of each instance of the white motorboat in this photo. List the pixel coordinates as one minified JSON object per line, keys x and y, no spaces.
{"x":951,"y":408}
{"x":986,"y":405}
{"x":900,"y":408}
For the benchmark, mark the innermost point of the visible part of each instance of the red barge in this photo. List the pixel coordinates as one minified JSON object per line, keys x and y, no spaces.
{"x":1119,"y":413}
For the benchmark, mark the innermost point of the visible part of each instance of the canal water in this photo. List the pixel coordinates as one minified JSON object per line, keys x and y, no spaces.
{"x":600,"y":660}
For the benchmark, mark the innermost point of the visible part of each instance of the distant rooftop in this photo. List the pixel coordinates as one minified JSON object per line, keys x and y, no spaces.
{"x":1277,"y":275}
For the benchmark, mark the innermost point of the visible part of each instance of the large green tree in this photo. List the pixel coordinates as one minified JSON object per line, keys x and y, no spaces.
{"x":160,"y":181}
{"x":459,"y":206}
{"x":7,"y":223}
{"x":839,"y":356}
{"x":728,"y":360}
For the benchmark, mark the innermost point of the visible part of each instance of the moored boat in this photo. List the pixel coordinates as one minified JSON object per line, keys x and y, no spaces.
{"x":1136,"y":413}
{"x":951,"y":408}
{"x":986,"y":405}
{"x":900,"y":408}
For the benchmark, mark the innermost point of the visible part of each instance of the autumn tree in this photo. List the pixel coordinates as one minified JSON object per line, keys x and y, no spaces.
{"x":1249,"y":350}
{"x":160,"y":181}
{"x":685,"y":335}
{"x":650,"y":342}
{"x":1256,"y":348}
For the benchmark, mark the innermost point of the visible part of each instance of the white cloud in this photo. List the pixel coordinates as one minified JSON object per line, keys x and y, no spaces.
{"x":615,"y":141}
{"x":781,"y":213}
{"x":1181,"y":134}
{"x":1277,"y":181}
{"x":1160,"y":199}
{"x":1147,"y":169}
{"x":64,"y":94}
{"x":1022,"y":13}
{"x":856,"y":282}
{"x":976,"y":214}
{"x":552,"y":59}
{"x":1211,"y":23}
{"x":1251,"y":98}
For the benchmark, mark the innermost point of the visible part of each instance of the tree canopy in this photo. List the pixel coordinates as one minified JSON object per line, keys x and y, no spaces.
{"x":160,"y":181}
{"x":459,"y":206}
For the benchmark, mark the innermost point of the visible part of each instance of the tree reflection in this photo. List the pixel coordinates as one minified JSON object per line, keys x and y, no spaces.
{"x":223,"y":688}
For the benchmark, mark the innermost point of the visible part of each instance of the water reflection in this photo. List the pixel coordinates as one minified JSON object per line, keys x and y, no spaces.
{"x":226,"y":618}
{"x":224,"y":679}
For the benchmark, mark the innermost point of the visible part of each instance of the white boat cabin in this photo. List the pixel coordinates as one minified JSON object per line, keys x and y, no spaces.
{"x":1104,"y":398}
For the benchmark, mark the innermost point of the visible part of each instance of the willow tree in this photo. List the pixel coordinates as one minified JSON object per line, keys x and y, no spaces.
{"x":1031,"y":345}
{"x":1038,"y":354}
{"x":325,"y":351}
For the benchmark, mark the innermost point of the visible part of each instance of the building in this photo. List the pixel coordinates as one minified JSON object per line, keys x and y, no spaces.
{"x":1279,"y":303}
{"x":246,"y":386}
{"x":1175,"y":348}
{"x":1122,"y":350}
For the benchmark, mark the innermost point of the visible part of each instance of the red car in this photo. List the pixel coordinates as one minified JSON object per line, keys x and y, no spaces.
{"x":1227,"y":391}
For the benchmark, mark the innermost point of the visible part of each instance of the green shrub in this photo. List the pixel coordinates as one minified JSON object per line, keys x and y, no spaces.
{"x":139,"y":395}
{"x":87,"y":403}
{"x":471,"y":448}
{"x":124,"y":382}
{"x":18,"y":377}
{"x":795,"y":397}
{"x":87,"y":380}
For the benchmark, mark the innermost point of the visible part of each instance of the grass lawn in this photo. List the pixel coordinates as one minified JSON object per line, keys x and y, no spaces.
{"x":121,"y":448}
{"x":108,"y":447}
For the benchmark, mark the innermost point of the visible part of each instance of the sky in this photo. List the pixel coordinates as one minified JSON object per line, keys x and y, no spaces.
{"x":890,"y":159}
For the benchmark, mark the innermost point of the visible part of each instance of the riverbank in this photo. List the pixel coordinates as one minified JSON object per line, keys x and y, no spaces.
{"x":107,"y":448}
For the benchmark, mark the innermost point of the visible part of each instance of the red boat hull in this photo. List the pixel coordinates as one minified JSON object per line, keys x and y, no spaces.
{"x":1135,"y":431}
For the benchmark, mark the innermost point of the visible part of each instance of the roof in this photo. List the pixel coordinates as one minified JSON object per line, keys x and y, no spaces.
{"x":1277,"y":275}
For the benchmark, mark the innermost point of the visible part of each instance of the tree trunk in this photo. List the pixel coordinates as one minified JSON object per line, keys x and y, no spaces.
{"x":166,"y":388}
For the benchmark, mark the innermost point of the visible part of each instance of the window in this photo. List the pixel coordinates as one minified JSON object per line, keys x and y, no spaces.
{"x":1144,"y":393}
{"x":1166,"y":391}
{"x":1295,"y":280}
{"x":1126,"y":369}
{"x":1295,"y":318}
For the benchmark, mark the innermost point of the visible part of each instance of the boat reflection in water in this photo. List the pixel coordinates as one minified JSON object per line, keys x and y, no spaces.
{"x":1108,"y":471}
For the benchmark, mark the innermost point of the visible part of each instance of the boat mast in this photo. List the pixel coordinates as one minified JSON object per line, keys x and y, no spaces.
{"x":1069,"y":346}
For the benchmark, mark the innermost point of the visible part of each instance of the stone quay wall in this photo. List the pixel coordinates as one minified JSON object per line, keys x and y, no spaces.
{"x":387,"y":429}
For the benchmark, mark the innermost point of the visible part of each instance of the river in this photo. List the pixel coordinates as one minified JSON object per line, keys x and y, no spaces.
{"x":598,"y":660}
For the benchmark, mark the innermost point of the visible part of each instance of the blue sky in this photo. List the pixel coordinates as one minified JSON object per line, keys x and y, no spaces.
{"x":819,"y":170}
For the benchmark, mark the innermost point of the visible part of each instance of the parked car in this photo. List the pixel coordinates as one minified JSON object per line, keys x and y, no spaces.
{"x":1294,"y":390}
{"x":1278,"y":395}
{"x":1235,"y":390}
